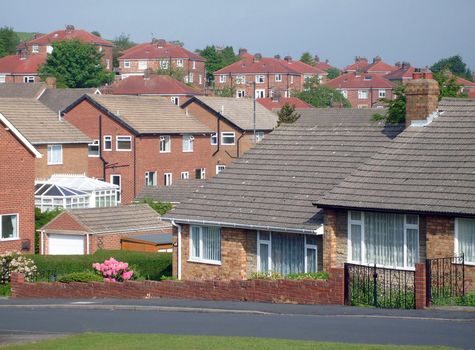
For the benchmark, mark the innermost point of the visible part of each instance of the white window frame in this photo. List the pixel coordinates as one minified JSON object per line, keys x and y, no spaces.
{"x":35,"y":49}
{"x":220,"y":168}
{"x":179,"y":62}
{"x":164,"y":64}
{"x":278,"y":78}
{"x":381,"y":93}
{"x":49,"y":49}
{"x":228,"y":134}
{"x":165,"y":144}
{"x":150,"y":178}
{"x":167,"y":179}
{"x":260,"y":79}
{"x":3,"y":78}
{"x":363,"y":94}
{"x":143,"y":65}
{"x":259,"y":136}
{"x":344,"y":93}
{"x":190,"y":78}
{"x":240,"y":79}
{"x":127,"y":64}
{"x":313,"y":247}
{"x":214,"y":139}
{"x":457,"y":251}
{"x":260,"y":93}
{"x":50,"y":148}
{"x":123,"y":137}
{"x":175,"y":100}
{"x":200,"y":79}
{"x":185,"y":175}
{"x":198,"y":259}
{"x":17,"y":233}
{"x":94,"y":143}
{"x":28,"y":79}
{"x":240,"y":93}
{"x":187,"y":143}
{"x":222,"y":78}
{"x":107,"y":139}
{"x":118,"y":196}
{"x":363,"y":246}
{"x":291,"y":79}
{"x":202,"y":173}
{"x":193,"y":65}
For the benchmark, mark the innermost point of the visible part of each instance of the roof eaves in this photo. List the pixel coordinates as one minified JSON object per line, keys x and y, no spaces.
{"x":20,"y":136}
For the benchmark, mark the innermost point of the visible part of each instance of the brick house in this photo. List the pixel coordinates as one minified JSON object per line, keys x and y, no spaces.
{"x":276,"y":103}
{"x":269,"y":75}
{"x":402,"y":75}
{"x":20,"y":69}
{"x":378,"y":66}
{"x":17,"y":215}
{"x":258,"y":214}
{"x":64,"y":148}
{"x":140,"y":140}
{"x":41,"y":45}
{"x":232,"y":123}
{"x":162,"y":55}
{"x":414,"y":199}
{"x":84,"y":231}
{"x":153,"y":85}
{"x":363,"y":90}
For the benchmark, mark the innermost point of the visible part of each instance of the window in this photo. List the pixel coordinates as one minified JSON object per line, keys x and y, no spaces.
{"x":205,"y":244}
{"x":107,"y":143}
{"x":260,"y":79}
{"x":307,"y":77}
{"x":167,"y":179}
{"x":126,"y":64}
{"x":35,"y":49}
{"x":222,"y":78}
{"x":49,"y":49}
{"x":175,"y":100}
{"x":179,"y":62}
{"x":165,"y":144}
{"x":259,"y":136}
{"x":142,"y":65}
{"x":384,"y":239}
{"x":55,"y":154}
{"x":278,"y":77}
{"x":163,"y":64}
{"x":240,"y":93}
{"x":188,"y":143}
{"x":200,"y":78}
{"x":9,"y":226}
{"x":260,"y":93}
{"x":185,"y":175}
{"x":100,"y":48}
{"x":382,"y":93}
{"x":2,"y":78}
{"x":105,"y":198}
{"x":465,"y":239}
{"x":200,"y":174}
{"x":214,"y":139}
{"x":150,"y":178}
{"x":28,"y":79}
{"x":362,"y":94}
{"x":93,"y":149}
{"x":291,"y":79}
{"x":240,"y":79}
{"x":108,"y":63}
{"x":193,"y":65}
{"x":123,"y":143}
{"x":344,"y":93}
{"x":220,"y":168}
{"x":190,"y":79}
{"x":286,"y":253}
{"x":185,"y":79}
{"x":227,"y":138}
{"x":116,"y":180}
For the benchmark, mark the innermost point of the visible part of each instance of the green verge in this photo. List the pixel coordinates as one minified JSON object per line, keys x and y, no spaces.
{"x":121,"y":341}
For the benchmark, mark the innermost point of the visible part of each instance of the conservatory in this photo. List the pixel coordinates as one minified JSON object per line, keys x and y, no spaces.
{"x":49,"y":196}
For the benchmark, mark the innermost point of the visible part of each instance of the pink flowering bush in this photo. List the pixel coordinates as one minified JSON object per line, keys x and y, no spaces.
{"x":113,"y":270}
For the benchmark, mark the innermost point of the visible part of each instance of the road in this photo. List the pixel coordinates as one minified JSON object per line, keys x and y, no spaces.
{"x":322,"y":323}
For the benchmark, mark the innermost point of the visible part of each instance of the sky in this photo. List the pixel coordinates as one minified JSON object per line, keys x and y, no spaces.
{"x":418,"y":31}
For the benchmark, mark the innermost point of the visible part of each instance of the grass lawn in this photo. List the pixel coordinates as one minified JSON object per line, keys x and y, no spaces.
{"x":118,"y":341}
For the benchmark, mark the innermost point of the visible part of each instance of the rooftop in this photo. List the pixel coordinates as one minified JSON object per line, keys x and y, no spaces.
{"x":272,"y":104}
{"x":155,"y":85}
{"x":18,"y":65}
{"x":59,"y":99}
{"x":69,"y":34}
{"x":179,"y":191}
{"x":22,"y":90}
{"x":158,"y":49}
{"x":356,"y":81}
{"x":80,"y":182}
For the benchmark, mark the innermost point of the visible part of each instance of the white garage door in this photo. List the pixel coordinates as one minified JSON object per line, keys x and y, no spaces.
{"x":65,"y":244}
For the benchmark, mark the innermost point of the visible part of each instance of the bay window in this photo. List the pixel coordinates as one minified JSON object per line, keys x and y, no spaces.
{"x":384,"y":239}
{"x":205,"y":244}
{"x":465,"y":239}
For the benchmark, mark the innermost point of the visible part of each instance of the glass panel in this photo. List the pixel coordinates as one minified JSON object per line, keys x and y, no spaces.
{"x":311,"y":239}
{"x":412,"y":242}
{"x":288,"y":253}
{"x":356,"y":243}
{"x":412,"y":219}
{"x":264,"y":236}
{"x":355,"y":215}
{"x":263,"y":257}
{"x":466,"y":239}
{"x":311,"y":260}
{"x":211,"y":243}
{"x":9,"y":226}
{"x":195,"y":242}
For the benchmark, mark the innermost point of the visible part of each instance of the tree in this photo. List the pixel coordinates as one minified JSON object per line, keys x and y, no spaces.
{"x":333,"y":73}
{"x":75,"y":65}
{"x":96,"y":33}
{"x":217,"y":59}
{"x":121,"y":43}
{"x":41,"y":219}
{"x":454,"y":64}
{"x":160,"y":207}
{"x":307,"y":58}
{"x":8,"y":41}
{"x":225,"y":92}
{"x":177,"y":42}
{"x":321,"y":96}
{"x":287,"y":114}
{"x":448,"y":85}
{"x":396,"y":112}
{"x":175,"y":73}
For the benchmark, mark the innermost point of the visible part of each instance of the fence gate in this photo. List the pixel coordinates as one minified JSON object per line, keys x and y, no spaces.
{"x":379,"y":287}
{"x":445,"y":281}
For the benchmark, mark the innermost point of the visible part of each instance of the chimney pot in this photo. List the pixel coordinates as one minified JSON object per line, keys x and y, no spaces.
{"x":277,"y":57}
{"x":69,"y":28}
{"x":316,"y":58}
{"x":51,"y":82}
{"x":377,"y":59}
{"x":242,"y":51}
{"x":422,"y":98}
{"x":288,"y":58}
{"x":257,"y":57}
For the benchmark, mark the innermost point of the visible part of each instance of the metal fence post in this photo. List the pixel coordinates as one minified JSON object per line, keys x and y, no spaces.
{"x":375,"y":287}
{"x":463,"y":277}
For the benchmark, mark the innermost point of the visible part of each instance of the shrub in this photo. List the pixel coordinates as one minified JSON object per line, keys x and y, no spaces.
{"x":15,"y":262}
{"x":321,"y":275}
{"x":266,"y":276}
{"x":86,"y":276}
{"x":5,"y":290}
{"x":168,"y":278}
{"x":114,"y":271}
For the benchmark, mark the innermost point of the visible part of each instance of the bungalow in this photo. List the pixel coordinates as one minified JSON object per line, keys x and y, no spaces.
{"x":84,"y":231}
{"x":257,"y":216}
{"x":140,"y":140}
{"x":232,"y":122}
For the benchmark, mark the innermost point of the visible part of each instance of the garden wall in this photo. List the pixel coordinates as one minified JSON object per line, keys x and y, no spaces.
{"x":330,"y":291}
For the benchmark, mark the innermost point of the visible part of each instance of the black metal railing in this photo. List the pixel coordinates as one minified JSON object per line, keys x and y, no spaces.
{"x":446,"y":280}
{"x":379,"y":287}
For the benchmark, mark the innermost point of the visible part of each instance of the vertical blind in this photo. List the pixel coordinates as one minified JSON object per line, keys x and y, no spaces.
{"x":206,"y":243}
{"x":466,"y":239}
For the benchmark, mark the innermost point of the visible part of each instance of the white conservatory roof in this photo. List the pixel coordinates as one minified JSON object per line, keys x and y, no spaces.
{"x":81,"y":182}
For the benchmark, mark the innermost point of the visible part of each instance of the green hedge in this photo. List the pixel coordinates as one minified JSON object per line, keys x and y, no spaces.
{"x":150,"y":266}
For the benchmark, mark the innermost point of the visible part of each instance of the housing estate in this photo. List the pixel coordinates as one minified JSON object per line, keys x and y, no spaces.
{"x":232,"y":123}
{"x":140,"y":140}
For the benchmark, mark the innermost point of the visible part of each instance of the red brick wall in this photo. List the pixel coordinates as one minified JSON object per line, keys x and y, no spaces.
{"x":17,"y":181}
{"x":75,"y":161}
{"x":281,"y":291}
{"x":18,"y":79}
{"x":373,"y":97}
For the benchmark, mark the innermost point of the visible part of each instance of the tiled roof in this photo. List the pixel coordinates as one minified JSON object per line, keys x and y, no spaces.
{"x":323,"y":66}
{"x":160,"y":238}
{"x":38,"y":123}
{"x":59,"y":99}
{"x":338,"y":116}
{"x":239,"y":111}
{"x":465,"y":82}
{"x":178,"y":192}
{"x":364,"y":80}
{"x":153,"y":51}
{"x":269,"y":65}
{"x":401,"y":73}
{"x":272,"y":104}
{"x":15,"y":64}
{"x":275,"y":183}
{"x":32,"y":90}
{"x":428,"y":169}
{"x":147,"y":114}
{"x":360,"y":64}
{"x":155,"y":85}
{"x":380,"y":66}
{"x":75,"y":34}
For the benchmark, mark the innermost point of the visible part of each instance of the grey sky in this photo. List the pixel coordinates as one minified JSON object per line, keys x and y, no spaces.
{"x":418,"y":31}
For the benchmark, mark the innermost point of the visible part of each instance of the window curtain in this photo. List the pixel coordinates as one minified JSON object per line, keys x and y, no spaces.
{"x":211,"y":243}
{"x":288,"y":253}
{"x":466,"y":239}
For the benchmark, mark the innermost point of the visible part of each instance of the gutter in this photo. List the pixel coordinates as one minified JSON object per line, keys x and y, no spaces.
{"x":178,"y":226}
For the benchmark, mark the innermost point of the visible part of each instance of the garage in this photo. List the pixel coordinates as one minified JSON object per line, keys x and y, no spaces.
{"x":63,"y":244}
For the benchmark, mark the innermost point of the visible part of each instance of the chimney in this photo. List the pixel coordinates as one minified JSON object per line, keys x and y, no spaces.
{"x":288,"y":58}
{"x":316,"y":58}
{"x":257,"y":57}
{"x":242,"y":51}
{"x":51,"y":82}
{"x":277,"y":57}
{"x":422,"y":73}
{"x":377,"y":59}
{"x":422,"y":98}
{"x":69,"y":28}
{"x":161,"y":42}
{"x":147,"y":73}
